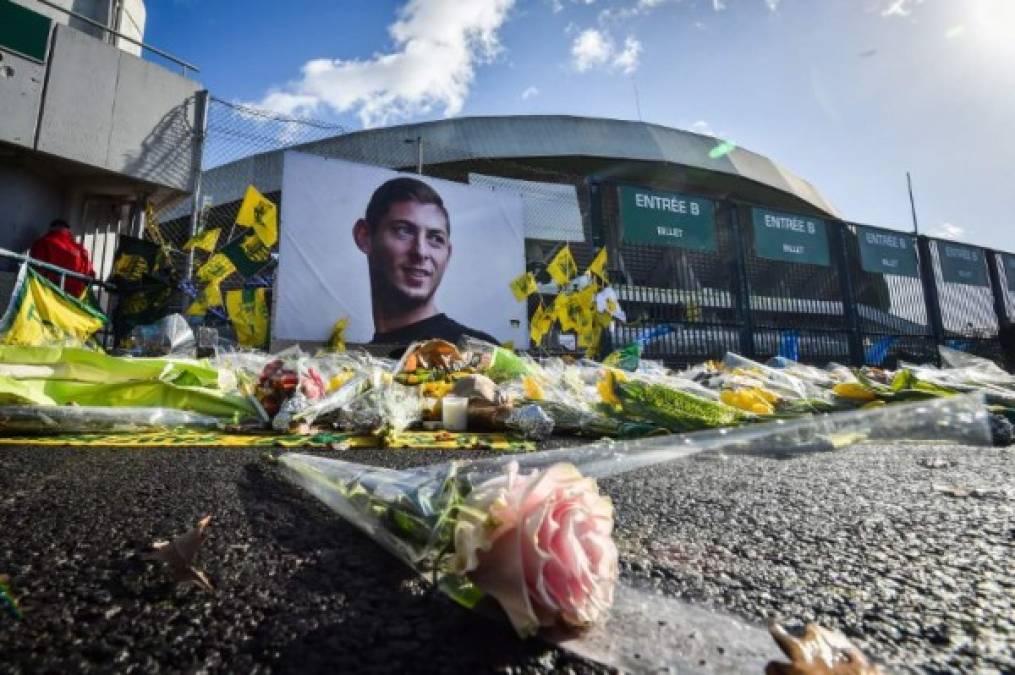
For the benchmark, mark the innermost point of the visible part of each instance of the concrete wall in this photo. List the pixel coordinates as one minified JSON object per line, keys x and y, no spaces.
{"x":21,"y":84}
{"x":30,"y":202}
{"x":112,"y":110}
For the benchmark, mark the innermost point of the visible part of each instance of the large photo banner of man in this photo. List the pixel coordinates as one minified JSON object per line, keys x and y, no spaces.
{"x":403,"y":257}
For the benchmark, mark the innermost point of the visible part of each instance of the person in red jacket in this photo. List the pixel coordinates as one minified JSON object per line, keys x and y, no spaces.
{"x":57,"y":247}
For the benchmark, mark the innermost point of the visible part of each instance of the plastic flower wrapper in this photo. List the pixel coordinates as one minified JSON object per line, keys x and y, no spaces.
{"x":793,"y":392}
{"x":669,"y":408}
{"x":534,"y":532}
{"x":50,"y":419}
{"x":536,"y":540}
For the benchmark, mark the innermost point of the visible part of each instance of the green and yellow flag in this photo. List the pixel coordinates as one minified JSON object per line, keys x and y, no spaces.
{"x":40,"y":314}
{"x":597,"y":267}
{"x":540,"y":324}
{"x":258,"y":212}
{"x":135,"y":258}
{"x":248,"y":311}
{"x":215,"y":269}
{"x":206,"y":241}
{"x":210,"y":296}
{"x":524,"y":286}
{"x":562,"y":268}
{"x":247,"y":254}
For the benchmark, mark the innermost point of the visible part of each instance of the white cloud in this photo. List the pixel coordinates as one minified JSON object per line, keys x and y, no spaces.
{"x":628,"y":58}
{"x":704,"y":128}
{"x":529,"y":93}
{"x":591,"y":48}
{"x":772,"y":4}
{"x":948,"y":231}
{"x":955,"y":32}
{"x":718,"y":5}
{"x":594,"y":48}
{"x":900,"y":7}
{"x":438,"y":44}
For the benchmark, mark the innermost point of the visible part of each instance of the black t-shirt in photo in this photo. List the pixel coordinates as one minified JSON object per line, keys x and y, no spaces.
{"x":438,"y":327}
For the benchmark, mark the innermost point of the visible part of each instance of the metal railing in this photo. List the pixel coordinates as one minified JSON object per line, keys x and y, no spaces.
{"x":64,"y":273}
{"x":185,"y":66}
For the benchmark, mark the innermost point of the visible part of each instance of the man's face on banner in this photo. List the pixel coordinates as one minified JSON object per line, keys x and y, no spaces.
{"x":408,"y":251}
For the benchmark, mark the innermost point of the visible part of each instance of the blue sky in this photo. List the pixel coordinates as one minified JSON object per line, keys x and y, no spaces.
{"x":848,"y":94}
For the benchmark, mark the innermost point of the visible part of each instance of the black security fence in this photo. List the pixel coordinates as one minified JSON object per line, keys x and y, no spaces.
{"x":684,"y":302}
{"x":888,"y":296}
{"x":698,"y":277}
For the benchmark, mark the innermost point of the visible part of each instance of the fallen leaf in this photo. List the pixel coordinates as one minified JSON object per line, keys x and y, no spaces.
{"x":819,"y":651}
{"x":179,"y":555}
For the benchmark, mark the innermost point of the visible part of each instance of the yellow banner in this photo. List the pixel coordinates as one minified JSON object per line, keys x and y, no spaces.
{"x":562,"y":268}
{"x":524,"y":286}
{"x":206,"y":241}
{"x":217,"y":268}
{"x":598,"y":266}
{"x":540,"y":324}
{"x":43,"y":315}
{"x":261,"y":214}
{"x":210,"y":296}
{"x":248,"y":310}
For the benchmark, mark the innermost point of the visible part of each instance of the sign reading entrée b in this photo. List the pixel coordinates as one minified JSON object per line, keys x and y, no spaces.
{"x":962,"y":264}
{"x":790,"y":238}
{"x":667,"y":219}
{"x":884,"y":252}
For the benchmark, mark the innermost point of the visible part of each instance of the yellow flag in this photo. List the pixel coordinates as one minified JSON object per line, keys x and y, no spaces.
{"x":562,"y":268}
{"x":540,"y":324}
{"x":206,"y":241}
{"x":217,"y":268}
{"x":259,"y":213}
{"x":42,"y":315}
{"x":598,"y":266}
{"x":248,"y":311}
{"x":210,"y":296}
{"x":568,"y":310}
{"x":524,"y":286}
{"x":337,"y":341}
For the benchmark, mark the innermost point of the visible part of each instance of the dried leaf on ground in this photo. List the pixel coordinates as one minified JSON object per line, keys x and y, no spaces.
{"x":180,"y":553}
{"x":819,"y":651}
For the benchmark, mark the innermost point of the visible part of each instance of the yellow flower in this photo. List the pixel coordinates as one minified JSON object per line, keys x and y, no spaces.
{"x":854,"y":391}
{"x":607,"y":387}
{"x":533,"y":391}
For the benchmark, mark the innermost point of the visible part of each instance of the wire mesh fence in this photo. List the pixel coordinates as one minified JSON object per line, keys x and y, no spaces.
{"x":734,"y":297}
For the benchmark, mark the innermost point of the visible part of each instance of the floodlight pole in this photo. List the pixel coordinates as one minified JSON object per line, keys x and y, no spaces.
{"x":912,"y":203}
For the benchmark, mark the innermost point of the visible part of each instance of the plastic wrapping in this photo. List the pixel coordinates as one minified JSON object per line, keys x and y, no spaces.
{"x":170,"y":335}
{"x":19,"y":420}
{"x":417,"y":513}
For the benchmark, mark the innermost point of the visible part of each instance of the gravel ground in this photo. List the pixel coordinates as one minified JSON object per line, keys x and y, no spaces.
{"x":907,"y":550}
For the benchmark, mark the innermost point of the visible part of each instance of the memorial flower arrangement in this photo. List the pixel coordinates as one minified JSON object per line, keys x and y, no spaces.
{"x":537,"y":540}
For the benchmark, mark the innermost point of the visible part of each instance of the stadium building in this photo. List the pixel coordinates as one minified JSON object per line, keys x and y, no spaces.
{"x":582,"y":180}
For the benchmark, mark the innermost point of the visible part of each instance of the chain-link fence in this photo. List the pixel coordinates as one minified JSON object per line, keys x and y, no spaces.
{"x":844,"y":306}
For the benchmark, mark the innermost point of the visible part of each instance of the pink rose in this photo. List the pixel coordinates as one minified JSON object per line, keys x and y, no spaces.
{"x":541,"y":545}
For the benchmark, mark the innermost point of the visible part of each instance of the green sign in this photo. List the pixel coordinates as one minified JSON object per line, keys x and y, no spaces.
{"x":961,"y":264}
{"x":790,"y":238}
{"x":667,"y":219}
{"x":1009,"y":270}
{"x":884,"y":252}
{"x":23,"y":31}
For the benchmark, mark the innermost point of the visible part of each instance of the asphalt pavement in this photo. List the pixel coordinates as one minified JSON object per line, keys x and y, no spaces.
{"x":908,"y":550}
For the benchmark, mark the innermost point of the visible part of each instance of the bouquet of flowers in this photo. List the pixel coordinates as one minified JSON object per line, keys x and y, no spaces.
{"x":538,"y":541}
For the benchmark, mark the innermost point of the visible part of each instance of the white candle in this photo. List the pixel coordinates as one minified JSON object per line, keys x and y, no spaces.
{"x":454,"y":413}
